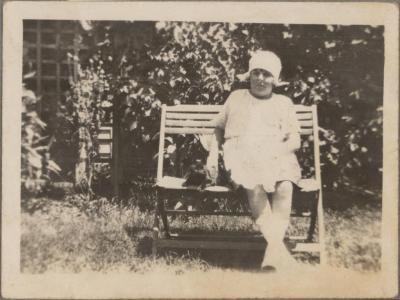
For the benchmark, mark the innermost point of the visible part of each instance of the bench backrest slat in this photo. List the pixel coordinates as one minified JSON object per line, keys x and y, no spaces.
{"x":191,"y":116}
{"x":189,"y":130}
{"x":190,"y":123}
{"x":194,"y":108}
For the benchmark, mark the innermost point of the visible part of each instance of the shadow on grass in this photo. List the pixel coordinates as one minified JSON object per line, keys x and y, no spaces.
{"x":225,"y":259}
{"x":217,"y":258}
{"x":144,"y":245}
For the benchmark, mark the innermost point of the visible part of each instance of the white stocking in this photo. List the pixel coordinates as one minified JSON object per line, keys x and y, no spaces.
{"x":273,"y":229}
{"x":272,"y":225}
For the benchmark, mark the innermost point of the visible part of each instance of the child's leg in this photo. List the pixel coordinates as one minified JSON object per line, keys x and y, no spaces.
{"x":258,"y":202}
{"x":281,"y":209}
{"x":262,"y":215}
{"x":282,"y":205}
{"x":273,"y":223}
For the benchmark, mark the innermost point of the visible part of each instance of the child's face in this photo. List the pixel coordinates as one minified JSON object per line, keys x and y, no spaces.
{"x":261,"y":83}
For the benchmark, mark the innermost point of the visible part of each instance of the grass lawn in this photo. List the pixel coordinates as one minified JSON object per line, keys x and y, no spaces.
{"x":77,"y":236}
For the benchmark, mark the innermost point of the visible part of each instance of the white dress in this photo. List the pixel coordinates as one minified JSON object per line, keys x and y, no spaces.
{"x":254,"y":149}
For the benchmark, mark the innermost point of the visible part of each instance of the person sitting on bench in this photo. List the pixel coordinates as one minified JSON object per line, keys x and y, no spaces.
{"x":259,"y":133}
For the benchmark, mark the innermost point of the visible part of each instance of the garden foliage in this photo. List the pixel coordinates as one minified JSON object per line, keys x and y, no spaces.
{"x":36,"y":165}
{"x":338,"y":68}
{"x":89,"y":94}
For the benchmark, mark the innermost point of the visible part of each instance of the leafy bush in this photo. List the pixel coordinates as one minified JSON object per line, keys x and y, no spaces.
{"x":89,"y":93}
{"x":36,"y":164}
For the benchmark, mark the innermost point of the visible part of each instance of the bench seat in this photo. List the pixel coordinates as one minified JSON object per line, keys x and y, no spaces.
{"x":176,"y":183}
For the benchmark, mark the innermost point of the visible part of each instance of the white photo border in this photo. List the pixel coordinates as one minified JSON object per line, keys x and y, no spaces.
{"x":96,"y":285}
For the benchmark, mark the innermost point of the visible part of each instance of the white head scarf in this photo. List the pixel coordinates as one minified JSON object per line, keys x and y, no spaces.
{"x":265,"y":60}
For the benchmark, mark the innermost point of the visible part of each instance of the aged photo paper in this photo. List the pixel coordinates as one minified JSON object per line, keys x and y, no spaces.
{"x":104,"y":239}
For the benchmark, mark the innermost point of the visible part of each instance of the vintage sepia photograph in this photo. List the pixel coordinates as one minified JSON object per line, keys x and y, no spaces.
{"x":185,"y":150}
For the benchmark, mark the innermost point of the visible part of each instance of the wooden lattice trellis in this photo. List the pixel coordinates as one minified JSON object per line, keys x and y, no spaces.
{"x":47,"y":43}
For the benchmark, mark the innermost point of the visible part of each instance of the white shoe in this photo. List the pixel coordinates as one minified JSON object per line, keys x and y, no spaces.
{"x":271,"y":257}
{"x":279,"y":257}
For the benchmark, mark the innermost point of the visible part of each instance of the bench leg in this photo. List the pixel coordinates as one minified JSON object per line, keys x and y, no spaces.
{"x":154,"y":245}
{"x":156,"y":232}
{"x":161,"y":209}
{"x":321,"y":230}
{"x":313,"y":219}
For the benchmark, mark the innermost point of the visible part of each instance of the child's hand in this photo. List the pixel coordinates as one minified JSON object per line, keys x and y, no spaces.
{"x":290,"y":144}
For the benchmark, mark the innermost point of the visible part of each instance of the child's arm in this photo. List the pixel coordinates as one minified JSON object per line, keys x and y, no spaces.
{"x":292,"y":141}
{"x":220,"y":122}
{"x":219,"y":134}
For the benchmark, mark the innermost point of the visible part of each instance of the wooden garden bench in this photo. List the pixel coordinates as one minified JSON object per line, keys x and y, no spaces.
{"x":199,"y":119}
